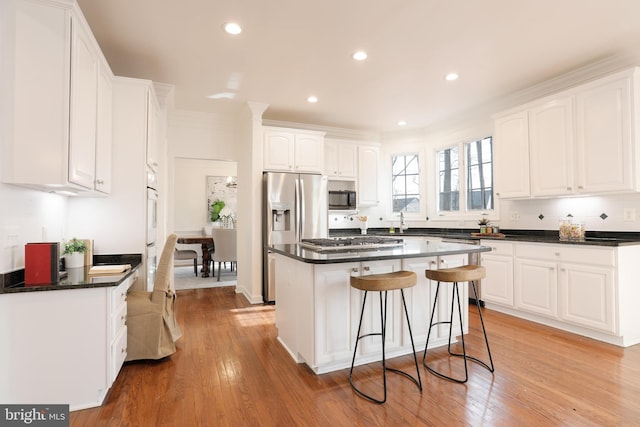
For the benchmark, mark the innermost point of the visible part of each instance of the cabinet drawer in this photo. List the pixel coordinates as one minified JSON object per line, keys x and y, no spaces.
{"x":119,"y":294}
{"x":566,"y":253}
{"x":498,"y":248}
{"x":118,"y":354}
{"x":118,"y":321}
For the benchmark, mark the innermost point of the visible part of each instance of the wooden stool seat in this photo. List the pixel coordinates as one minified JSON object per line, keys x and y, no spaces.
{"x":466,"y":273}
{"x":385,"y":281}
{"x":382,"y":283}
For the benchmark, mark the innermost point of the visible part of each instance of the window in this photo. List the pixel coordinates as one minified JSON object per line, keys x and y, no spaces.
{"x":476,"y":171}
{"x":405,"y":183}
{"x":479,"y":175}
{"x":448,"y":180}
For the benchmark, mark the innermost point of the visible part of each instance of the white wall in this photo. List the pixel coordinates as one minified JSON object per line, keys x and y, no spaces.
{"x":28,"y":216}
{"x":190,"y":210}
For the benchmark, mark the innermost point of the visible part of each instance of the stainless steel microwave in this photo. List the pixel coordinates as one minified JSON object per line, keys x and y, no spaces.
{"x":342,"y":200}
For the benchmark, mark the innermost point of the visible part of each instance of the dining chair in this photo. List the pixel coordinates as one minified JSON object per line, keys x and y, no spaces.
{"x":224,"y":240}
{"x":188,"y":254}
{"x":152,"y":329}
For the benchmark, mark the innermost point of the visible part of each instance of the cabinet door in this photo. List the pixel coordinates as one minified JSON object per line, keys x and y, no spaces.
{"x":551,"y":148}
{"x":34,"y":84}
{"x":153,"y":121}
{"x":84,"y":103}
{"x":604,"y":136}
{"x":511,"y":155}
{"x":371,"y":320}
{"x":335,"y":330}
{"x":587,"y":296}
{"x":536,"y":286}
{"x":104,"y":132}
{"x":497,"y":286}
{"x":340,"y":160}
{"x":308,"y":153}
{"x":419,"y":300}
{"x":367,"y":176}
{"x":286,"y":319}
{"x":278,"y":151}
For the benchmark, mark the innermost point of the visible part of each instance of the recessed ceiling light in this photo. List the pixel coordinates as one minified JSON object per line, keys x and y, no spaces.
{"x":360,"y":55}
{"x":451,"y":77}
{"x":232,"y":28}
{"x":402,"y":123}
{"x":222,"y":95}
{"x":312,"y":99}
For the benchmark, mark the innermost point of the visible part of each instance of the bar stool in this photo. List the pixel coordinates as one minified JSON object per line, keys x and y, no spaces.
{"x":466,"y":273}
{"x":383,"y":283}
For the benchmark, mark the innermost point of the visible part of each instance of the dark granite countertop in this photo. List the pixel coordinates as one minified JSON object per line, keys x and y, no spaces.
{"x":593,"y":238}
{"x":410,"y":249}
{"x":76,"y":278}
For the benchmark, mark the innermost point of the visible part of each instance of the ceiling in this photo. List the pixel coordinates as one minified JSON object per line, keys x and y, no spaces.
{"x":291,"y":49}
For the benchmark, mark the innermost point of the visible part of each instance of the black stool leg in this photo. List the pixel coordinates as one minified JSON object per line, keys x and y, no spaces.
{"x":195,"y":266}
{"x":383,"y":320}
{"x":484,"y":331}
{"x":456,"y":298}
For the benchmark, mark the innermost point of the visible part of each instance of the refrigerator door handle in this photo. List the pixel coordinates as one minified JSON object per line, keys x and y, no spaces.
{"x":299,"y":208}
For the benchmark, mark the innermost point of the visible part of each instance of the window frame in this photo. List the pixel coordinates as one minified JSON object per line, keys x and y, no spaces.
{"x":463,"y":214}
{"x":420,"y":184}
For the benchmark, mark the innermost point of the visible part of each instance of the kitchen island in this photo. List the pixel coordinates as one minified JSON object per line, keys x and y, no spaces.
{"x":64,"y":342}
{"x":317,"y":311}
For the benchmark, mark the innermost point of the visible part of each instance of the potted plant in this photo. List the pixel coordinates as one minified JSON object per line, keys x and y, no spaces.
{"x":484,"y":225}
{"x":74,"y":253}
{"x":216,"y":208}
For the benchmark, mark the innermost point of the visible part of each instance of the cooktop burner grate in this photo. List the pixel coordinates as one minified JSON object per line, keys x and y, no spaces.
{"x":360,"y":242}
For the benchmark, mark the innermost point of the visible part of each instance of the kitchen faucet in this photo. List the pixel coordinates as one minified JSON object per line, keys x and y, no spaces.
{"x":402,"y":223}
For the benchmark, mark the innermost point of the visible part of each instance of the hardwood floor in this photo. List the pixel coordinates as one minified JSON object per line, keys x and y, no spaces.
{"x":231,"y":371}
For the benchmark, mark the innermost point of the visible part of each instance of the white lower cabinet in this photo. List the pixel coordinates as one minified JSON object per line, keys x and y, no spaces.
{"x":497,"y":286}
{"x":536,"y":286}
{"x":338,"y":307}
{"x":420,"y":302}
{"x":587,"y":296}
{"x":573,"y":287}
{"x":74,"y":355}
{"x":317,"y":310}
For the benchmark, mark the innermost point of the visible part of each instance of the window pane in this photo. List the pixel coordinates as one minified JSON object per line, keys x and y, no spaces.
{"x":448,"y":180}
{"x":479,"y":175}
{"x":405,"y":183}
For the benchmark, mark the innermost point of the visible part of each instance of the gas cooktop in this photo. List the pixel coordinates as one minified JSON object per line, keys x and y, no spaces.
{"x":351,"y":243}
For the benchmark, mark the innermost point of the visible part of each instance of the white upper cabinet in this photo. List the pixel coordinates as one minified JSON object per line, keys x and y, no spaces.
{"x":368,"y":175}
{"x":606,"y":141}
{"x":581,"y":141}
{"x":104,"y":131}
{"x":551,"y":147}
{"x":340,"y":160}
{"x":153,"y":121}
{"x":511,"y":155}
{"x":84,"y":102}
{"x":289,"y":150}
{"x":50,"y":88}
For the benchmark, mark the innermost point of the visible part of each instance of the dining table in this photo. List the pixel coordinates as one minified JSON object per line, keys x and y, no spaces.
{"x":206,"y":242}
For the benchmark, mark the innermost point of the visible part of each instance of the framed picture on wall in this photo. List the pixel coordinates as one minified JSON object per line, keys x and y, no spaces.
{"x":225,"y":189}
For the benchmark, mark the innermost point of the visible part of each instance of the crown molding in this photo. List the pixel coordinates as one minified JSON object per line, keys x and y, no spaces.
{"x":330,"y":132}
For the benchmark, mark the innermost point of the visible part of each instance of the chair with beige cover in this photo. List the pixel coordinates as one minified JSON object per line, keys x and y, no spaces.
{"x":224,"y":240}
{"x":152,"y":329}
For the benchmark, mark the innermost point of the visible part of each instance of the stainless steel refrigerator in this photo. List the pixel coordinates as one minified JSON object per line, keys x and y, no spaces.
{"x":295,"y":207}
